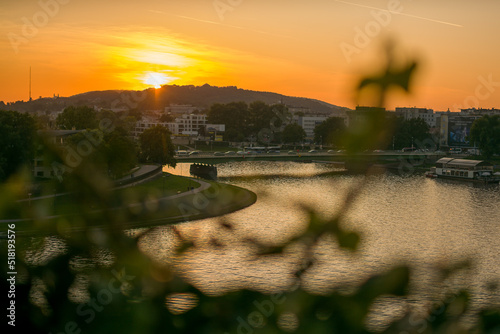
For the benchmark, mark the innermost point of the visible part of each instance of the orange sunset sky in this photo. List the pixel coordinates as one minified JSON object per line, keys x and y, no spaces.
{"x":314,"y":48}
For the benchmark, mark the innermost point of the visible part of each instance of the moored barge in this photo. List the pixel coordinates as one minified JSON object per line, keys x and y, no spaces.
{"x":464,"y":169}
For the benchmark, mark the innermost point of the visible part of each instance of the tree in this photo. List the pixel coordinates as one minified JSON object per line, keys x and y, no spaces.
{"x":233,"y":135}
{"x":202,"y":130}
{"x":79,"y":118}
{"x":156,"y":146}
{"x":121,"y":152}
{"x":42,"y":121}
{"x":485,"y":133}
{"x":329,"y":131}
{"x":166,"y":118}
{"x":410,"y":132}
{"x":268,"y":121}
{"x":260,"y":115}
{"x":234,"y":115}
{"x":293,"y":133}
{"x":123,"y":120}
{"x":113,"y":153}
{"x":17,"y":142}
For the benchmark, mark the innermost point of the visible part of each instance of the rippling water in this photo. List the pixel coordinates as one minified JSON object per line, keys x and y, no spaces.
{"x":420,"y":221}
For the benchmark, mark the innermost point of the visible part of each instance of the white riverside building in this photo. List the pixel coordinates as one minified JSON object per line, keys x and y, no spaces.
{"x":309,"y":122}
{"x":462,"y":168}
{"x":185,"y":124}
{"x":427,"y":115}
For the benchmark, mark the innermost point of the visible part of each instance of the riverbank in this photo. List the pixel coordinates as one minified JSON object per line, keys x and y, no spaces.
{"x":167,"y":199}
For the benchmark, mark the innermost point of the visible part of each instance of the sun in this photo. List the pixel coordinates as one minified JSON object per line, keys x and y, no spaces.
{"x":156,"y":79}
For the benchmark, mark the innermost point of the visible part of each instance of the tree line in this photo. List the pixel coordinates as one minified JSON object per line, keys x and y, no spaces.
{"x":267,"y":124}
{"x":116,"y":152}
{"x":103,"y":142}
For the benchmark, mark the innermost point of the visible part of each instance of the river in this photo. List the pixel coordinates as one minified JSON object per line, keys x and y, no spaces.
{"x":420,"y":221}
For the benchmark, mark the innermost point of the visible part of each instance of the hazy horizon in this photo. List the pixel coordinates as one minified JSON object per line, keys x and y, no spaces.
{"x":315,"y":50}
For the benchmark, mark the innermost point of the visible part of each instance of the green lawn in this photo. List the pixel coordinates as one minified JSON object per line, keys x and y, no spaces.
{"x":166,"y":185}
{"x":143,"y":205}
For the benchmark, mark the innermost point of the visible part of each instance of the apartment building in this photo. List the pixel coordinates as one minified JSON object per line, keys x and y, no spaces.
{"x":427,"y":115}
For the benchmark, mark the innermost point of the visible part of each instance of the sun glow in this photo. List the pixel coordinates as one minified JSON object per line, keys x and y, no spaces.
{"x":156,"y":79}
{"x":153,"y":59}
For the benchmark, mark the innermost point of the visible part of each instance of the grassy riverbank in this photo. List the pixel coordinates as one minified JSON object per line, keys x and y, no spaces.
{"x":164,"y":200}
{"x":217,"y":200}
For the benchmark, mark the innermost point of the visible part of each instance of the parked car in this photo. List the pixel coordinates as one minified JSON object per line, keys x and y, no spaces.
{"x":194,"y":153}
{"x":292,"y":152}
{"x":230,"y":153}
{"x":312,"y":151}
{"x":219,"y":153}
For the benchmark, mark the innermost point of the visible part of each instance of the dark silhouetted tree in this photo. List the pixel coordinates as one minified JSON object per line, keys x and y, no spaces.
{"x":330,"y":131}
{"x":293,"y":133}
{"x":79,"y":118}
{"x":17,"y":142}
{"x":410,"y":132}
{"x":157,"y":147}
{"x":485,"y":134}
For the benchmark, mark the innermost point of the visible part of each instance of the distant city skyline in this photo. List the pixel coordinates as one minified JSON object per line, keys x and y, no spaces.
{"x":316,"y":49}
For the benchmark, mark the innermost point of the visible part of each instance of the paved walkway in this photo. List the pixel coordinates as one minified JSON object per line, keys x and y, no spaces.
{"x":203,"y":185}
{"x":136,"y":174}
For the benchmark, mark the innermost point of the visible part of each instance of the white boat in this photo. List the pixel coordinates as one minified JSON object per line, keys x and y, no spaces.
{"x":464,"y":169}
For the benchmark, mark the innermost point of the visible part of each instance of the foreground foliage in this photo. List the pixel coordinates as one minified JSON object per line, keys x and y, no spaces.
{"x":99,"y":281}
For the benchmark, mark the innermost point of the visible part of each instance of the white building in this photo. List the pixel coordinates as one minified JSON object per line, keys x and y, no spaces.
{"x":411,"y":113}
{"x":41,"y":167}
{"x":479,"y":112}
{"x":185,"y":124}
{"x":308,"y":123}
{"x":190,"y":124}
{"x":180,"y":109}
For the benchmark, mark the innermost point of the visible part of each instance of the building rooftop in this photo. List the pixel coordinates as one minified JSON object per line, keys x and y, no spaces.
{"x":463,"y":162}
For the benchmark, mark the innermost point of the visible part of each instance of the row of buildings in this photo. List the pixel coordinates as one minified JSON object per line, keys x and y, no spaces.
{"x":452,"y":128}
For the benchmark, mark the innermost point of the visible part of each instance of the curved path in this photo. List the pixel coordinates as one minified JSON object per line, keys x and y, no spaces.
{"x":185,"y":199}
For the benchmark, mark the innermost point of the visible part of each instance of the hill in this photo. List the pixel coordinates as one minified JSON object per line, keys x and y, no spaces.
{"x":150,"y":99}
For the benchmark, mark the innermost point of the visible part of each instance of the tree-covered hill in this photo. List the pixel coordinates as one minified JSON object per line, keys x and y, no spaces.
{"x":199,"y":96}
